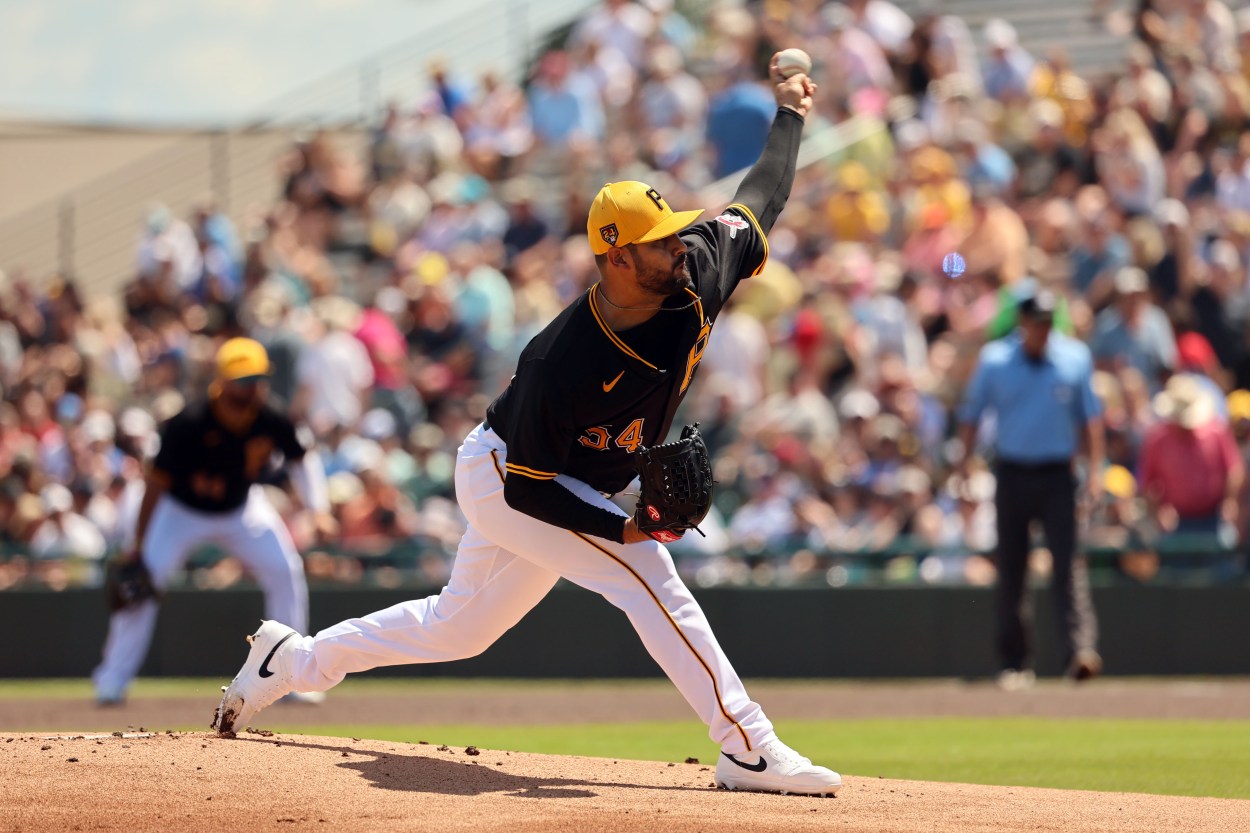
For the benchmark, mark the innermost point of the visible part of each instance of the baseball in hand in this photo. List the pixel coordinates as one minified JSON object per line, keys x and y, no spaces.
{"x":793,"y":61}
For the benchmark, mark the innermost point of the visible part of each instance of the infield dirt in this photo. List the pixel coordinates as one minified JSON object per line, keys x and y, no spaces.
{"x":195,"y":781}
{"x":59,"y":779}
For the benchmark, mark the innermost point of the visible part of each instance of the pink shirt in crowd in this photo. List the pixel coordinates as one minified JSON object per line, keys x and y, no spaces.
{"x":1189,"y":469}
{"x":386,"y":346}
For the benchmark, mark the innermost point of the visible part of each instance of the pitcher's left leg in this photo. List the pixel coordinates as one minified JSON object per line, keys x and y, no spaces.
{"x":642,"y":581}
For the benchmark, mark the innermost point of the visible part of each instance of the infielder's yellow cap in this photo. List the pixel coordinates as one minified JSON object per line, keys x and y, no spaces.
{"x":241,"y":358}
{"x":632,"y":212}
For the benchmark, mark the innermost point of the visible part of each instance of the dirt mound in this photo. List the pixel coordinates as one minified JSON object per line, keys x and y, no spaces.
{"x":195,"y":781}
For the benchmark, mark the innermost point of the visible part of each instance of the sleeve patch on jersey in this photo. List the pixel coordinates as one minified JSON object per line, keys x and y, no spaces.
{"x":734,"y":222}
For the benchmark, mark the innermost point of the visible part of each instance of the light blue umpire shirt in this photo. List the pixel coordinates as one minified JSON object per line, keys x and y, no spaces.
{"x":1039,"y":406}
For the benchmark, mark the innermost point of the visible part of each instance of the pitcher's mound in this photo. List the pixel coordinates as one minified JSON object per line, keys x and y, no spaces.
{"x":196,"y":781}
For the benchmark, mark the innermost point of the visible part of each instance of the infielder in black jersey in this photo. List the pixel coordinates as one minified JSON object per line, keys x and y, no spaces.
{"x":597,"y":384}
{"x":201,"y":489}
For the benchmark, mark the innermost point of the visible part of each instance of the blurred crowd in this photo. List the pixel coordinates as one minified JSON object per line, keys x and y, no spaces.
{"x":395,"y":280}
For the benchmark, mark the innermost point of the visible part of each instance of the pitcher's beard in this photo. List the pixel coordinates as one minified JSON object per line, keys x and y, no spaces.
{"x":667,"y":283}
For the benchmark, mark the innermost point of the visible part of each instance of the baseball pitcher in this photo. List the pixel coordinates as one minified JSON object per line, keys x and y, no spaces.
{"x":591,"y":403}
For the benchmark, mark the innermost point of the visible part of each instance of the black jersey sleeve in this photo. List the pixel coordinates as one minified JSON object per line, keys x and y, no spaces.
{"x":734,"y":244}
{"x":551,"y":503}
{"x":723,"y":252}
{"x":766,"y":187}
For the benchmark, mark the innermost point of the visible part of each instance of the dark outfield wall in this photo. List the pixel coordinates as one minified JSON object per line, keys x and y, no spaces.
{"x":896,"y":632}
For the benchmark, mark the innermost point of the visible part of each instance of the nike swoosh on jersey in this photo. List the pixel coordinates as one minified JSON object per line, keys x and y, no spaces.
{"x":607,"y":386}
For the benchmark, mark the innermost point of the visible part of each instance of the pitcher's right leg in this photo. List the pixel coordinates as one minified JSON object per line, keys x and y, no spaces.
{"x":489,"y":591}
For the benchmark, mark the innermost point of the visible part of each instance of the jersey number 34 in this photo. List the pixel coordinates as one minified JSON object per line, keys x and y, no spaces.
{"x":629,"y":439}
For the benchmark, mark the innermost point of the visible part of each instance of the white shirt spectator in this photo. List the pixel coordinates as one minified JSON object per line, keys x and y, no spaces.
{"x":503,"y":119}
{"x":765,"y":522}
{"x":673,"y":98}
{"x":954,"y":51}
{"x":803,"y":412}
{"x":65,"y":533}
{"x":737,"y":352}
{"x":10,"y":353}
{"x":1217,"y":32}
{"x":1146,"y":86}
{"x":1232,"y":187}
{"x":888,"y":25}
{"x":169,"y":247}
{"x":337,"y":372}
{"x":859,"y":59}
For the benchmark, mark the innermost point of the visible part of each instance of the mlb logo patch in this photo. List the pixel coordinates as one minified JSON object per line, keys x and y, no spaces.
{"x":609,"y":233}
{"x":734,"y":222}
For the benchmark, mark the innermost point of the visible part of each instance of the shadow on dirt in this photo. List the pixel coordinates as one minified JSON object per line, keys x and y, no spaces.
{"x":458,"y":774}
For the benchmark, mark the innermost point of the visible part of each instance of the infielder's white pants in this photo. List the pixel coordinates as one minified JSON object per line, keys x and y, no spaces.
{"x":254,"y":534}
{"x":506,"y":563}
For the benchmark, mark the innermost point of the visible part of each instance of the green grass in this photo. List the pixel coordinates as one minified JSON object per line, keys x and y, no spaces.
{"x":1172,"y":757}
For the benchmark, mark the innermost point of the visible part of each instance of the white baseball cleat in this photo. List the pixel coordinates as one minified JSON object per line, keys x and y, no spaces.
{"x":775,"y":768}
{"x":264,"y":678}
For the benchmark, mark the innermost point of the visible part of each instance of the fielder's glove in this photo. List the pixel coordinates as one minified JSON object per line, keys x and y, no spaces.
{"x":128,"y":583}
{"x":676,"y":486}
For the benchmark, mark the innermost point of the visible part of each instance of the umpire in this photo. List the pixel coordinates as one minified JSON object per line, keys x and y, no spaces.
{"x":1037,"y":384}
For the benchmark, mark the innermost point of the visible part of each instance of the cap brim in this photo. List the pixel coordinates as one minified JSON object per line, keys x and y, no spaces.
{"x":252,"y":379}
{"x":671,"y":224}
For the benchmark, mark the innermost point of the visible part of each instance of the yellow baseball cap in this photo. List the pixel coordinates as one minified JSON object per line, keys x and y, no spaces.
{"x":1239,"y":405}
{"x":1120,"y":482}
{"x":241,"y":358}
{"x":632,"y":212}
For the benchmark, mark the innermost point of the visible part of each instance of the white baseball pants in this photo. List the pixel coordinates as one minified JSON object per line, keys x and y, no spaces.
{"x":254,"y":534}
{"x":506,"y":563}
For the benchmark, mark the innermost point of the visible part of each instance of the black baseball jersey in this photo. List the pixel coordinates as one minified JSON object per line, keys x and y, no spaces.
{"x":584,"y":398}
{"x":211,"y":467}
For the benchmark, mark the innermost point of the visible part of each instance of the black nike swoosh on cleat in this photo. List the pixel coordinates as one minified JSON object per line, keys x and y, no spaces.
{"x":264,"y":666}
{"x":756,"y":767}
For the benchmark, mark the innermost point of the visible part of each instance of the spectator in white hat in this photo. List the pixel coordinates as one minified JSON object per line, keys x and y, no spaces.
{"x":1008,"y":67}
{"x":1191,"y":469}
